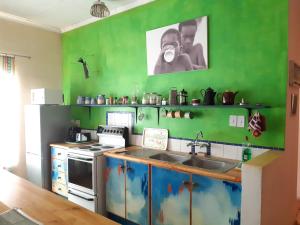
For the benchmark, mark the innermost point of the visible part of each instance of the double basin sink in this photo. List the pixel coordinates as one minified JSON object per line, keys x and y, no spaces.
{"x":207,"y":163}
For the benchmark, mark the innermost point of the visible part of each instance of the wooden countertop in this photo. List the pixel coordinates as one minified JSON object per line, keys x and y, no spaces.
{"x":43,"y":205}
{"x":233,"y":175}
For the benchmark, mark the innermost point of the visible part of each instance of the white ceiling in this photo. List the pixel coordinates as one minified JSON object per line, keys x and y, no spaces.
{"x":59,"y":15}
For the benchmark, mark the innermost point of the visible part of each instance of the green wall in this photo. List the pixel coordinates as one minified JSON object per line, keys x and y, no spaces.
{"x":247,"y":53}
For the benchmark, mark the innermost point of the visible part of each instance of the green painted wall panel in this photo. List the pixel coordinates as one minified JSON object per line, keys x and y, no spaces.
{"x":247,"y":52}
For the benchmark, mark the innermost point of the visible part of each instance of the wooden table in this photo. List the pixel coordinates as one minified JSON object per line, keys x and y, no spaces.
{"x":43,"y":205}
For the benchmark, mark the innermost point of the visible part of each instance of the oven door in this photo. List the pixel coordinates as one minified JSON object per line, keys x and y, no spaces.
{"x":82,"y":173}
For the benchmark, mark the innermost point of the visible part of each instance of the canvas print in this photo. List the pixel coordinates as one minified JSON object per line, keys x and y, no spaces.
{"x":177,"y":48}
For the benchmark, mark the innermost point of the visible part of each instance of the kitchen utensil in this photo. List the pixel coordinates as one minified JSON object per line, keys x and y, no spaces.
{"x":173,"y":96}
{"x":228,"y":97}
{"x":182,"y":95}
{"x":164,"y":112}
{"x":208,"y":96}
{"x":83,"y":137}
{"x":141,"y":115}
{"x":195,"y":101}
{"x":72,"y":133}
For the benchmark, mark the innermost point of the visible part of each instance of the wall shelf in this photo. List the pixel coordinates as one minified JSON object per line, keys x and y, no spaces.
{"x":248,"y":107}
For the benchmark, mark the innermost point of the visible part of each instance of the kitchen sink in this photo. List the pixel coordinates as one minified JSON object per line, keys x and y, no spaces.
{"x":210,"y":164}
{"x":137,"y":153}
{"x":167,"y":157}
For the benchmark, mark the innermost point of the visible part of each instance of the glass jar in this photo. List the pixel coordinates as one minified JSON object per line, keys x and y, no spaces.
{"x":87,"y":100}
{"x":152,"y":99}
{"x":101,"y":99}
{"x":145,"y":100}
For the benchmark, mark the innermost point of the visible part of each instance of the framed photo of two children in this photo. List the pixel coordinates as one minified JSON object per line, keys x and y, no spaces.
{"x":178,"y":47}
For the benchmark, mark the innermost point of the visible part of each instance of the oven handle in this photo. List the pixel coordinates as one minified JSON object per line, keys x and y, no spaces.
{"x":87,"y":199}
{"x":88,"y":160}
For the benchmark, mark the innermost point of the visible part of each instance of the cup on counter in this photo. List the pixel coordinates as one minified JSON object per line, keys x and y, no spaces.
{"x":188,"y":115}
{"x":179,"y":114}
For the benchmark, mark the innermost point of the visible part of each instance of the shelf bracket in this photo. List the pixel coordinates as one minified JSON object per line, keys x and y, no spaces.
{"x":136,"y":114}
{"x":158,"y":114}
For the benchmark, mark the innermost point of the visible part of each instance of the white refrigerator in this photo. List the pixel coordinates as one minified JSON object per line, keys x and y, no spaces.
{"x":44,"y":124}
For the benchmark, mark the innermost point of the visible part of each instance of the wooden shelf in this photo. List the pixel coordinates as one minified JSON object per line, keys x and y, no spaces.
{"x":248,"y":107}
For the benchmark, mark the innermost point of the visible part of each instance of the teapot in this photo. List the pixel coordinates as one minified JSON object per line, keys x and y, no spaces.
{"x":228,"y":97}
{"x":208,"y":96}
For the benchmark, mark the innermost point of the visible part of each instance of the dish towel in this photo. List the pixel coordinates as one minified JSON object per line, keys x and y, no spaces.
{"x":257,"y":124}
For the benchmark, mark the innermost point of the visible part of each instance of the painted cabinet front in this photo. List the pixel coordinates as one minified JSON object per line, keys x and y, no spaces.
{"x":137,"y":196}
{"x":130,"y":206}
{"x":215,"y":202}
{"x":115,"y":186}
{"x":170,"y":197}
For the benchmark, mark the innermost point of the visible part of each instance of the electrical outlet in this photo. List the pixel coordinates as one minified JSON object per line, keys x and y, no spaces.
{"x":232,"y":120}
{"x":240,"y":121}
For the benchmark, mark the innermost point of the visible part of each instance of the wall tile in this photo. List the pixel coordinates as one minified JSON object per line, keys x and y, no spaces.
{"x":174,"y":144}
{"x":230,"y":151}
{"x":239,"y":152}
{"x":184,"y":147}
{"x":217,"y":150}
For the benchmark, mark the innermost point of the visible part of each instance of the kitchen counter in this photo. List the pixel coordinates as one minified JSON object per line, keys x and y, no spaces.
{"x":233,"y":175}
{"x":73,"y":145}
{"x":43,"y":205}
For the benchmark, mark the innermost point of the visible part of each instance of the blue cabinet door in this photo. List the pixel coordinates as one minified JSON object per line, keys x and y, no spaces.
{"x":137,"y":194}
{"x":115,"y":186}
{"x":215,"y":202}
{"x":170,"y":197}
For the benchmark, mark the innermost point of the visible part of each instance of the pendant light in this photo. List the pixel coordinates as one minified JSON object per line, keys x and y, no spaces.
{"x":99,"y":9}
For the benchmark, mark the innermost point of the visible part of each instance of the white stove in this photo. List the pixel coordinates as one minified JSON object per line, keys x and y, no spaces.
{"x":86,"y":164}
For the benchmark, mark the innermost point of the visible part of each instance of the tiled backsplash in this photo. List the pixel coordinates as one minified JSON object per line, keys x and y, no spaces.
{"x":218,"y":150}
{"x":180,"y":145}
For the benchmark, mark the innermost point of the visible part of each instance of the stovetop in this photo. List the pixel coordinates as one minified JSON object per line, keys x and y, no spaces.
{"x":93,"y":149}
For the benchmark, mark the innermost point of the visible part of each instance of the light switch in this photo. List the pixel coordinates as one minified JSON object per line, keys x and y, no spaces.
{"x":232,"y":120}
{"x":240,"y":121}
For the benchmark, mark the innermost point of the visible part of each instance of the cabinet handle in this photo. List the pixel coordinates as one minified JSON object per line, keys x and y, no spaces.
{"x":59,"y":189}
{"x":58,"y":165}
{"x":59,"y":178}
{"x":59,"y":153}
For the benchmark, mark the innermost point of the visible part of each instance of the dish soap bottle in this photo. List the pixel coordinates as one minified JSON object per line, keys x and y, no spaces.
{"x":247,"y":153}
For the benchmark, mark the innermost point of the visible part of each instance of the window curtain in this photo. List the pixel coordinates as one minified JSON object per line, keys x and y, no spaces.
{"x":7,"y":65}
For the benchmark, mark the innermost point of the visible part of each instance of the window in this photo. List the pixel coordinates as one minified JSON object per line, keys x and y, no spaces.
{"x":10,"y":113}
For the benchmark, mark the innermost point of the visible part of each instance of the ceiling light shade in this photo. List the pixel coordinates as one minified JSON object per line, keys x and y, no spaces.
{"x":99,"y":9}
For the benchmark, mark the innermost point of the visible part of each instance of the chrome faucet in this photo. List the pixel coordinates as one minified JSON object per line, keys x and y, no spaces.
{"x":195,"y":143}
